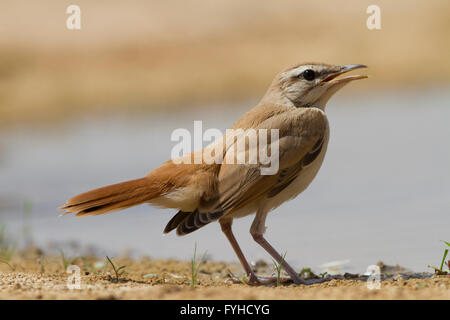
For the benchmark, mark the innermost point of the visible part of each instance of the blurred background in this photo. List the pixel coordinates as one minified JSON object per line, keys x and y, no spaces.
{"x":84,"y":108}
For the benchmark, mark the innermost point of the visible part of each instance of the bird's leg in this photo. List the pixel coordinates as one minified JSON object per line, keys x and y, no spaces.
{"x":226,"y":228}
{"x":279,"y":259}
{"x":257,"y":230}
{"x":253,"y":279}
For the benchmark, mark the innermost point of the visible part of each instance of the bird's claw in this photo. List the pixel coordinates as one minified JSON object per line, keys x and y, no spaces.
{"x":254,"y":280}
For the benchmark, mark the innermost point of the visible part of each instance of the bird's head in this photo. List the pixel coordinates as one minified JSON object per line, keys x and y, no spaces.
{"x":309,"y":84}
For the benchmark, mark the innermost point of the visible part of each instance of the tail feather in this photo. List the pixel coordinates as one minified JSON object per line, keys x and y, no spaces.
{"x":111,"y":198}
{"x":176,"y":220}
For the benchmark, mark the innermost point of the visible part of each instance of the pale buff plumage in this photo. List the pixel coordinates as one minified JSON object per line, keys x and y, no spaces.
{"x":293,"y":104}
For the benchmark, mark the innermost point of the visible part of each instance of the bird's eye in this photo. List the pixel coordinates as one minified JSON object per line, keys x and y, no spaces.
{"x":308,"y":74}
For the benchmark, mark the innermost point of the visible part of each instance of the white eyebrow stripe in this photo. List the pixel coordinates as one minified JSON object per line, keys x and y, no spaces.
{"x":297,"y":71}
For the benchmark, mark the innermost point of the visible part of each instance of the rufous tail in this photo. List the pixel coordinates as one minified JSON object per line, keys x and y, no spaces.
{"x":111,"y":198}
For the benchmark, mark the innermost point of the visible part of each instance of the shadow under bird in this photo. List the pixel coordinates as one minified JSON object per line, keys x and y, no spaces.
{"x":295,"y":105}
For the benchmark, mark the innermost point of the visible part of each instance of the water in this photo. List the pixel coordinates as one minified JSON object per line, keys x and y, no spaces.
{"x":383,"y":191}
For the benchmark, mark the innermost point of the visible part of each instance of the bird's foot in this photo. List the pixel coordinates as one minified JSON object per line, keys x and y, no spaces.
{"x":313,"y":281}
{"x":255,"y":280}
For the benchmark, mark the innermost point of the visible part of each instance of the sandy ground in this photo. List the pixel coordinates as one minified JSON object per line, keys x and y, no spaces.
{"x":39,"y":277}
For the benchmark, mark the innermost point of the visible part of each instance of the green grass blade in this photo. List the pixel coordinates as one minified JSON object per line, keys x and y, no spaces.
{"x":443,"y":259}
{"x":111,"y":263}
{"x":7,"y":263}
{"x":195,"y":267}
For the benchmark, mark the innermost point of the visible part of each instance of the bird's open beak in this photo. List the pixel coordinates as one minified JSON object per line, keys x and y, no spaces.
{"x":344,"y":69}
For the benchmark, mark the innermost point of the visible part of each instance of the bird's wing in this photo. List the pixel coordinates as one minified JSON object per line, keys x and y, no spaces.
{"x":301,"y":133}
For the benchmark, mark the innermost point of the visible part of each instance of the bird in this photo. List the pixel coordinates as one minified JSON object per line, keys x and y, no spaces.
{"x":294,"y":105}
